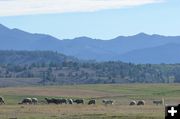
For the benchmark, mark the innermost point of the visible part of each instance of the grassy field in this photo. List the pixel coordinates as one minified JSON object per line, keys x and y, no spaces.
{"x":122,"y":94}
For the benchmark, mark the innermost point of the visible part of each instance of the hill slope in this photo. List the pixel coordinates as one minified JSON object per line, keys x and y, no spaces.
{"x":30,"y":57}
{"x":46,"y":67}
{"x":156,"y":55}
{"x":87,"y":48}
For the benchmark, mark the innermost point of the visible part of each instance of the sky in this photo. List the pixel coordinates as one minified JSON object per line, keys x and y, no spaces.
{"x":100,"y":19}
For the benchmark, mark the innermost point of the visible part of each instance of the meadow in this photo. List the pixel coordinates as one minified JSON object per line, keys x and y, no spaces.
{"x":122,"y":94}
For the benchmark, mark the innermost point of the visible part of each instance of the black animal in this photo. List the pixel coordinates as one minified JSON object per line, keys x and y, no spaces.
{"x":26,"y":101}
{"x":2,"y":100}
{"x":79,"y":101}
{"x":92,"y":102}
{"x":141,"y":102}
{"x":62,"y":101}
{"x":50,"y":101}
{"x":56,"y":101}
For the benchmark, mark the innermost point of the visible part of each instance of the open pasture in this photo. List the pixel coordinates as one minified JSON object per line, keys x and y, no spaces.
{"x":122,"y":94}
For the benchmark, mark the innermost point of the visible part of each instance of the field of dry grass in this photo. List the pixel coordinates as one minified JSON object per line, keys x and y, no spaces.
{"x":81,"y":111}
{"x":122,"y":94}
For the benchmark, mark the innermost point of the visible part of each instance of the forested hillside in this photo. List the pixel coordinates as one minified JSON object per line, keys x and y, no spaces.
{"x":45,"y":67}
{"x":30,"y":57}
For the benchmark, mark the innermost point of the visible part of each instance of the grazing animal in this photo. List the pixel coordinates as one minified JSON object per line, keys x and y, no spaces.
{"x":26,"y":101}
{"x":70,"y":101}
{"x":62,"y":101}
{"x":106,"y":102}
{"x":56,"y":101}
{"x":141,"y":102}
{"x":158,"y":102}
{"x":49,"y":101}
{"x":34,"y":101}
{"x":133,"y":102}
{"x":78,"y":101}
{"x":92,"y":102}
{"x":2,"y":100}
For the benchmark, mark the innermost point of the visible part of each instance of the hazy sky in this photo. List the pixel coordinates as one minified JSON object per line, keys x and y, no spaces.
{"x":103,"y":19}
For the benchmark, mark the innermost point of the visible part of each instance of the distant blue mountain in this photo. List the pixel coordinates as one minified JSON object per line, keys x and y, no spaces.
{"x":155,"y":55}
{"x":139,"y":48}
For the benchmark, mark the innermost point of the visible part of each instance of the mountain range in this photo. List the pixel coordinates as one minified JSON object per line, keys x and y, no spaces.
{"x":140,"y":48}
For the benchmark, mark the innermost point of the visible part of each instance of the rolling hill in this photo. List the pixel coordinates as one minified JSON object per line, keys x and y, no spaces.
{"x":30,"y":57}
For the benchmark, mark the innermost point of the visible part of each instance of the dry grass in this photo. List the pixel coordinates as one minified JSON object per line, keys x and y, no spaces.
{"x":69,"y":111}
{"x":122,"y":94}
{"x":56,"y":91}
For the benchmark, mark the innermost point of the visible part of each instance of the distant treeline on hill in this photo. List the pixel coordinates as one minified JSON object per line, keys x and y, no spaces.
{"x":54,"y":68}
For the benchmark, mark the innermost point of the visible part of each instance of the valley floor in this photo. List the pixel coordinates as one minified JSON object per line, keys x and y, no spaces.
{"x":121,"y":94}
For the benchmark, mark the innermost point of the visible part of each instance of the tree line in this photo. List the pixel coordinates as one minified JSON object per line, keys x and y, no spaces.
{"x":55,"y":68}
{"x":104,"y":72}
